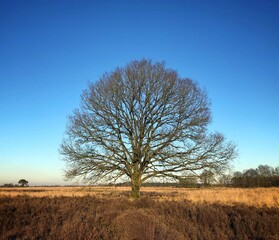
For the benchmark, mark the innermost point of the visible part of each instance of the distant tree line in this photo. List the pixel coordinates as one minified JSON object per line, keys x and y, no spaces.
{"x":9,"y":185}
{"x":263,"y":176}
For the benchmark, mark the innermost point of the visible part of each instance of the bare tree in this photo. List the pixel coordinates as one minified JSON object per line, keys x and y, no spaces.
{"x":264,"y":170}
{"x":207,"y":177}
{"x":142,"y":121}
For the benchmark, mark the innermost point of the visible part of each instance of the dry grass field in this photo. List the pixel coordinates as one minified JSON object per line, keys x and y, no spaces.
{"x":107,"y":213}
{"x":257,"y":197}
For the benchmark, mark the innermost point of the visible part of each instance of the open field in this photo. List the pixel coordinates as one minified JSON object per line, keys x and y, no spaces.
{"x":107,"y":213}
{"x":257,"y":197}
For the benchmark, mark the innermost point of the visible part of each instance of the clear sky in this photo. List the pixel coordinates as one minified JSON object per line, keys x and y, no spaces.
{"x":50,"y":50}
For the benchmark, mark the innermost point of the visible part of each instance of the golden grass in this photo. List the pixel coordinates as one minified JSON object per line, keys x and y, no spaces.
{"x":258,"y":197}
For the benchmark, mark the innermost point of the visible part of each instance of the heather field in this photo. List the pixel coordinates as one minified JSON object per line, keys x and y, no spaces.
{"x":161,"y":213}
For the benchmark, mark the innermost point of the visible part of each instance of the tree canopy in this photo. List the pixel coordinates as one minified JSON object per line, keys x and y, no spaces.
{"x":23,"y":182}
{"x":140,"y":122}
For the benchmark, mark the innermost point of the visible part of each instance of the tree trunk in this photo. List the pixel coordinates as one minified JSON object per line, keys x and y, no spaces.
{"x":135,"y":184}
{"x":135,"y":193}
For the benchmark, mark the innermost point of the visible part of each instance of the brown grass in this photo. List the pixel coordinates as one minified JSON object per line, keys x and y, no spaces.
{"x":257,"y":197}
{"x":89,"y":217}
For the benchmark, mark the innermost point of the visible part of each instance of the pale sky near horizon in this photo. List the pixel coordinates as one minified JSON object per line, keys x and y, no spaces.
{"x":50,"y":50}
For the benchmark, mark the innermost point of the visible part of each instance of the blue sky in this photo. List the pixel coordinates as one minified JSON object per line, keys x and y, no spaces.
{"x":50,"y":50}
